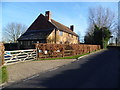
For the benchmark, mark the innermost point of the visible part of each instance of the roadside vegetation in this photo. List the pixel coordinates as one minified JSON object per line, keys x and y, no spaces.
{"x":68,"y":57}
{"x":101,"y":26}
{"x":3,"y":75}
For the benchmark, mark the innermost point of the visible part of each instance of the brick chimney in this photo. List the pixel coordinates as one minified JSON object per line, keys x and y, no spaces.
{"x":48,"y":15}
{"x":72,"y":27}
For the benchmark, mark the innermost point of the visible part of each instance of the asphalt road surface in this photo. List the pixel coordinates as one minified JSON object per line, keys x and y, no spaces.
{"x":99,"y":70}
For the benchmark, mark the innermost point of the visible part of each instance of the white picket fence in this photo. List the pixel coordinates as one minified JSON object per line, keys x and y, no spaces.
{"x":19,"y":55}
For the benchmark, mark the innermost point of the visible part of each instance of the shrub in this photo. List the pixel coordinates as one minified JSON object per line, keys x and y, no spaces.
{"x":3,"y":74}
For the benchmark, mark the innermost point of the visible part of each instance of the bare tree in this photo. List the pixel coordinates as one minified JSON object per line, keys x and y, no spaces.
{"x":13,"y":31}
{"x":102,"y":17}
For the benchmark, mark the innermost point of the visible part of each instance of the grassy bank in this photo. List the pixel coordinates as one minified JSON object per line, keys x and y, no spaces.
{"x":3,"y":74}
{"x":69,"y":57}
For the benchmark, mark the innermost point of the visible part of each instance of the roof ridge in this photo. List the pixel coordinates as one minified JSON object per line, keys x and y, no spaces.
{"x":60,"y":23}
{"x":53,"y":23}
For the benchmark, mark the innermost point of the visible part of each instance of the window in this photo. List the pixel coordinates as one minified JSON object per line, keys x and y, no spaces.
{"x":61,"y":33}
{"x":28,"y":43}
{"x":37,"y":41}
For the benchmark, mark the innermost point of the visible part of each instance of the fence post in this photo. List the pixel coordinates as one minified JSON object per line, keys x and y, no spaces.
{"x":37,"y":51}
{"x":63,"y":51}
{"x":2,"y":48}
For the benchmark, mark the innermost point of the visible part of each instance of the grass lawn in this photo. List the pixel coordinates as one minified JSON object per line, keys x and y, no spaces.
{"x":69,"y":57}
{"x":3,"y":74}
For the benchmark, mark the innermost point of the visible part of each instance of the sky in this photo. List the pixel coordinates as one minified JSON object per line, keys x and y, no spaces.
{"x":67,"y":13}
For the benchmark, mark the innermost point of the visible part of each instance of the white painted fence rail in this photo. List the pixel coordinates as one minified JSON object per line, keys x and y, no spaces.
{"x":19,"y":55}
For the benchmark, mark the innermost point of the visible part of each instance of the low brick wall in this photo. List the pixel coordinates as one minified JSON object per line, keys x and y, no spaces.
{"x":61,"y":50}
{"x":1,"y":54}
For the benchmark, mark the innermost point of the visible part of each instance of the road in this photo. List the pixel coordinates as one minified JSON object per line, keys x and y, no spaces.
{"x":99,"y":70}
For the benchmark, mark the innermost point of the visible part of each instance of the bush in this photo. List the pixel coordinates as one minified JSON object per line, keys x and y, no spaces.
{"x":3,"y":74}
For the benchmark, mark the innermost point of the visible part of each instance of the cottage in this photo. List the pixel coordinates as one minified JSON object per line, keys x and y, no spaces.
{"x":46,"y":30}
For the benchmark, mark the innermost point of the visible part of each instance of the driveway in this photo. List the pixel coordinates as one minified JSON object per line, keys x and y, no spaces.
{"x":21,"y":71}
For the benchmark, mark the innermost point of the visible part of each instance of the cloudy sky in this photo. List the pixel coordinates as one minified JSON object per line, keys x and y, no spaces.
{"x":67,"y":13}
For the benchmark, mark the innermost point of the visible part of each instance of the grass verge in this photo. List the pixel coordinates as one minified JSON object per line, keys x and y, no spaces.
{"x":69,"y":57}
{"x":3,"y":74}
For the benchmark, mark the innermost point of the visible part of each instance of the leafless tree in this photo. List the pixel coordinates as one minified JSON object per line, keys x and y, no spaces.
{"x":13,"y":31}
{"x":102,"y":17}
{"x":81,"y":38}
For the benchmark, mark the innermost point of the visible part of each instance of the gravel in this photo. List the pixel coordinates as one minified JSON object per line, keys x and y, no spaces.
{"x":23,"y":70}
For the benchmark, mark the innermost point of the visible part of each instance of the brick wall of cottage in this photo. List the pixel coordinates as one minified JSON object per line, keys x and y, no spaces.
{"x":62,"y":38}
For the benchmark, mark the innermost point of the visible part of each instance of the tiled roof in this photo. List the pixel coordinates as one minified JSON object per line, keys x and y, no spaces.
{"x":35,"y":34}
{"x":41,"y":28}
{"x":62,"y":27}
{"x":41,"y":23}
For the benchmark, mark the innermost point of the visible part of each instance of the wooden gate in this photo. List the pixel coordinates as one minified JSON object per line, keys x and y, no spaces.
{"x":68,"y":50}
{"x":19,"y":55}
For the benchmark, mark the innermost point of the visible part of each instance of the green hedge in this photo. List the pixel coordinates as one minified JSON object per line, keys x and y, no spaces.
{"x":3,"y":74}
